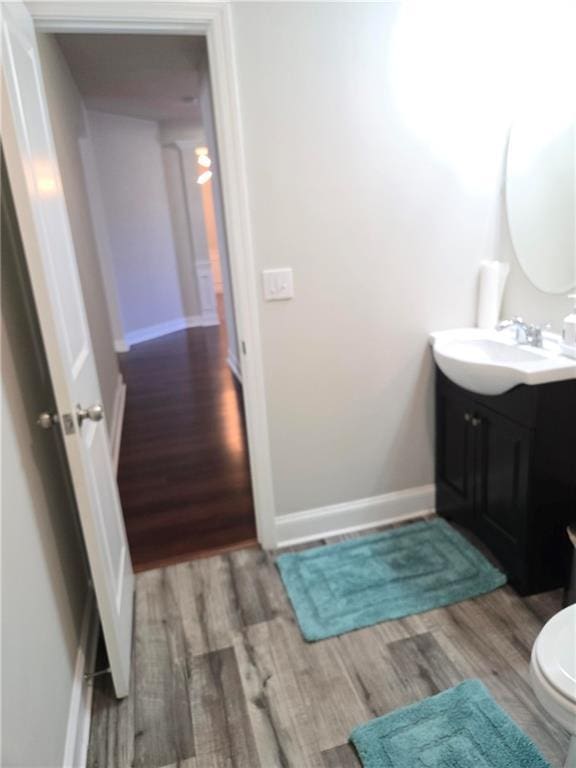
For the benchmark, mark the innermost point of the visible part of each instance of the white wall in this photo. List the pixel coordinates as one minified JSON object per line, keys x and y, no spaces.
{"x":44,"y":581}
{"x":131,"y":172}
{"x":383,"y":211}
{"x":67,"y":118}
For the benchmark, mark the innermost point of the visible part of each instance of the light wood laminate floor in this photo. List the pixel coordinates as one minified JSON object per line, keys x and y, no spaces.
{"x":221,"y":677}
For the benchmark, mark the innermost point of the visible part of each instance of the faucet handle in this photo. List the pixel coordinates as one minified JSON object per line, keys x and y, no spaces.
{"x":503,"y":324}
{"x":540,"y":328}
{"x":534,"y":334}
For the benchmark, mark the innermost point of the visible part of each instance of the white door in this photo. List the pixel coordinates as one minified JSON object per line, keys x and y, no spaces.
{"x":43,"y":218}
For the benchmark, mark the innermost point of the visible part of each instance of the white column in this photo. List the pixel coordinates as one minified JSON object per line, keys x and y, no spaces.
{"x":206,"y":291}
{"x":234,"y":360}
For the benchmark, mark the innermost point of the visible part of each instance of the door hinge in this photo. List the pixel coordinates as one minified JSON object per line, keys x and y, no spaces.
{"x":89,"y":676}
{"x":243,"y":345}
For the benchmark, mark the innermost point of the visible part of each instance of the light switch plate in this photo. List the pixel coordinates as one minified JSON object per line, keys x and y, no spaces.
{"x":278,"y":284}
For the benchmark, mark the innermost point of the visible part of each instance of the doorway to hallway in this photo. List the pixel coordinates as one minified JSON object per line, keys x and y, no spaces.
{"x":183,"y":471}
{"x":142,"y":144}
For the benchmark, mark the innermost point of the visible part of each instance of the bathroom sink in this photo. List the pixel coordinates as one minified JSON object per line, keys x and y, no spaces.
{"x":491,"y":362}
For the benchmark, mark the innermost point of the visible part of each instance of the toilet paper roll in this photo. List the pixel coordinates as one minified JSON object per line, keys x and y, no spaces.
{"x":493,"y":276}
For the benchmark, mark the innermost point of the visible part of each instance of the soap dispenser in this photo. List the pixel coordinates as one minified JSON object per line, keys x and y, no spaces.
{"x":568,"y":343}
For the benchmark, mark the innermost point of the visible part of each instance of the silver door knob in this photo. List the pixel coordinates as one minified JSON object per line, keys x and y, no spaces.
{"x":94,"y":413}
{"x":46,"y":420}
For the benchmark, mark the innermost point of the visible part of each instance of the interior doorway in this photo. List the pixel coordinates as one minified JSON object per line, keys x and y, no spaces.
{"x":149,"y":162}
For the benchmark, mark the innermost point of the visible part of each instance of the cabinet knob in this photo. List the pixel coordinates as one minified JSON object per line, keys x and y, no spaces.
{"x":476,"y":422}
{"x":467,"y":417}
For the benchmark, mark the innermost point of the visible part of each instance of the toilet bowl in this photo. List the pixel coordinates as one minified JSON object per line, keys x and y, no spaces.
{"x":553,"y":673}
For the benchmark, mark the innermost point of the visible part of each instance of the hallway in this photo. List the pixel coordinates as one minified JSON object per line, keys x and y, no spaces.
{"x":183,"y":473}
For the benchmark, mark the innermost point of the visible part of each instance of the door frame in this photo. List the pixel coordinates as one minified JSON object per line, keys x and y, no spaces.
{"x":214,"y":21}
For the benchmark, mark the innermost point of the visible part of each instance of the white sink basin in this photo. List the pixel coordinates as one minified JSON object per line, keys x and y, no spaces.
{"x":491,"y":362}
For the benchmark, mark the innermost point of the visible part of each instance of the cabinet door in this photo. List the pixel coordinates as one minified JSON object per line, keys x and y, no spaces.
{"x":454,"y":456}
{"x":503,"y":451}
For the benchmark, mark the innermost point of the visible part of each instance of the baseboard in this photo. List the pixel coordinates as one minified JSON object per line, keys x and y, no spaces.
{"x":117,"y":420}
{"x":319,"y":523}
{"x":121,"y":346}
{"x":79,"y":714}
{"x":234,"y":365}
{"x":209,"y":319}
{"x":160,"y":329}
{"x":171,"y":326}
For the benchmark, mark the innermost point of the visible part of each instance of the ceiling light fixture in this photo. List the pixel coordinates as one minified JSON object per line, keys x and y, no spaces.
{"x":201,"y":151}
{"x":204,"y":161}
{"x":204,"y":177}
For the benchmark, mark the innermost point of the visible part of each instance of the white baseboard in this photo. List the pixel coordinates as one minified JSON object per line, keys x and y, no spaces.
{"x":80,"y":711}
{"x":117,"y":420}
{"x":234,"y":365}
{"x":121,"y":346}
{"x":163,"y":329}
{"x":336,"y":519}
{"x":208,"y":319}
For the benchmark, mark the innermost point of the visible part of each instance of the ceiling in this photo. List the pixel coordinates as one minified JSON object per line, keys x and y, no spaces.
{"x":156,"y":77}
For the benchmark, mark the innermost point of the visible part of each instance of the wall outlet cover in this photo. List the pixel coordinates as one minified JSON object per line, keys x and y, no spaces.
{"x":278,"y":284}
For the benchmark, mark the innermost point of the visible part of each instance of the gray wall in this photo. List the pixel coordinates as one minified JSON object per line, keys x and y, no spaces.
{"x":385,"y":220}
{"x":44,"y":581}
{"x":67,"y":118}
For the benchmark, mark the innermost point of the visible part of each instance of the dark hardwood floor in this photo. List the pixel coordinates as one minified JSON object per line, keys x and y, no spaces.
{"x":183,"y":472}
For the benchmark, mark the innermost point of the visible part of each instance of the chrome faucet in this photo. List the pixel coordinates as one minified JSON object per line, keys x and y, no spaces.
{"x":525,"y":333}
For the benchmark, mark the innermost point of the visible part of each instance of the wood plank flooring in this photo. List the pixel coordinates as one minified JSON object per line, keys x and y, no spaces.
{"x":222,"y":678}
{"x":183,"y":471}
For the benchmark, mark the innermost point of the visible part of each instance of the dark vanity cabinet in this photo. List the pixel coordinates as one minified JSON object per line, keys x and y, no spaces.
{"x":506,"y":469}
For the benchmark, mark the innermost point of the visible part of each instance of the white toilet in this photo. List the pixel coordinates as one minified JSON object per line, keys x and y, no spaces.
{"x":553,"y":673}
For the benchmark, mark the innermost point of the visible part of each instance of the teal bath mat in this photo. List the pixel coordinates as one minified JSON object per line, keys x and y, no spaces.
{"x":412,"y":569}
{"x":459,"y":728}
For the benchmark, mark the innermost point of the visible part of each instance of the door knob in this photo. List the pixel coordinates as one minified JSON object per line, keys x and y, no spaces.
{"x":94,"y":413}
{"x":46,"y":420}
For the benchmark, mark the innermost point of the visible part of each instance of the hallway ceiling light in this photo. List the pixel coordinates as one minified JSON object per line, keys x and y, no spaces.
{"x":204,"y":161}
{"x":201,"y":151}
{"x":204,"y":177}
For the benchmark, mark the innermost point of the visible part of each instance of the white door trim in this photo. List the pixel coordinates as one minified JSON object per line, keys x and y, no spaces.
{"x":213,"y":19}
{"x":117,"y":420}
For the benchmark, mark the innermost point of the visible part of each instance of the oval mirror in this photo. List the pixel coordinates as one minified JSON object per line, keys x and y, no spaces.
{"x":541,"y":197}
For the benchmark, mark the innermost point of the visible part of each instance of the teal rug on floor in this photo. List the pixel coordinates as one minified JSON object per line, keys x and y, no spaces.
{"x":341,"y":587}
{"x":462,"y":727}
